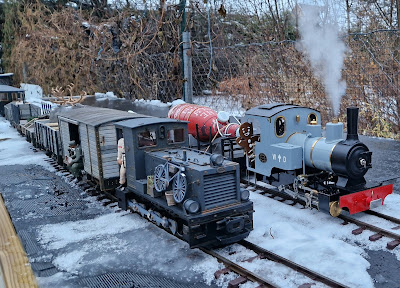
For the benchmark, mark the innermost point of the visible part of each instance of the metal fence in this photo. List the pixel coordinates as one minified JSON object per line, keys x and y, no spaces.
{"x":267,"y":72}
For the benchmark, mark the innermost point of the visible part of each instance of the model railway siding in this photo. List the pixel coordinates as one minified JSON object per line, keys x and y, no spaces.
{"x":15,"y":270}
{"x":383,"y":216}
{"x":380,"y":232}
{"x":246,"y":275}
{"x":264,"y":253}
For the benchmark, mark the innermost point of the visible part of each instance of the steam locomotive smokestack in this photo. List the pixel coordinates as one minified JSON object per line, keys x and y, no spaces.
{"x":352,"y":123}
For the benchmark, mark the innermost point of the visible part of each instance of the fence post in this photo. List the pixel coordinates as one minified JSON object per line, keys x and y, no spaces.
{"x":187,"y":68}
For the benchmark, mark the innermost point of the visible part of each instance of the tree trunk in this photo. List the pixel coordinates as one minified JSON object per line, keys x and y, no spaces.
{"x":348,"y":15}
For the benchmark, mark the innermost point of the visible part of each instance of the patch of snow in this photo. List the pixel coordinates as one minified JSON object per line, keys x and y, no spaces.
{"x":312,"y":239}
{"x":14,"y":149}
{"x":107,"y":95}
{"x":177,"y":102}
{"x":55,"y":280}
{"x":158,"y":103}
{"x":57,"y":236}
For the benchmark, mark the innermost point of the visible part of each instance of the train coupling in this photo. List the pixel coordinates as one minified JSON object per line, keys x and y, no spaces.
{"x":232,"y":224}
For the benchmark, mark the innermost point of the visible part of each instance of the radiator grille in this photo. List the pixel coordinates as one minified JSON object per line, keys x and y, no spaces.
{"x":219,"y":189}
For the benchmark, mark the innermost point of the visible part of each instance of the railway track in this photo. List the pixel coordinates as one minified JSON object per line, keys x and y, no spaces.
{"x":245,"y":275}
{"x":263,"y":253}
{"x":380,"y":232}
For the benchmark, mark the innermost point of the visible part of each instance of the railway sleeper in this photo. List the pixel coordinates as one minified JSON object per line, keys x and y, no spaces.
{"x":358,"y":231}
{"x":236,"y":282}
{"x":375,"y":237}
{"x":222,"y":271}
{"x":393,"y":244}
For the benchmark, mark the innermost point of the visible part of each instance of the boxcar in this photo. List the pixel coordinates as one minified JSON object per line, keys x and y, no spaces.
{"x":93,"y":129}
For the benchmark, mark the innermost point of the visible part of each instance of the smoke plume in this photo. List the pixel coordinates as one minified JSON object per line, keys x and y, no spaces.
{"x":321,"y":43}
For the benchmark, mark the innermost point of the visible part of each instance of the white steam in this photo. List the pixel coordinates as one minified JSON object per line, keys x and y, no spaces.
{"x":326,"y":51}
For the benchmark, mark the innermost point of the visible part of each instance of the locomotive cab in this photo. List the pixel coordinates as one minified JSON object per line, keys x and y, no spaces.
{"x":194,"y":194}
{"x":324,"y":172}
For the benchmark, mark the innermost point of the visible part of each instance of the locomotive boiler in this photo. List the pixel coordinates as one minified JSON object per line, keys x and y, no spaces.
{"x":284,"y":144}
{"x":194,"y":194}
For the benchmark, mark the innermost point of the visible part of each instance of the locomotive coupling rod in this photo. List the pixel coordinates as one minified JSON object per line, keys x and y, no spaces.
{"x":239,"y":269}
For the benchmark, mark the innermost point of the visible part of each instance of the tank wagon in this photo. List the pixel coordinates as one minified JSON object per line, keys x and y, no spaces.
{"x":284,"y":144}
{"x":196,"y":195}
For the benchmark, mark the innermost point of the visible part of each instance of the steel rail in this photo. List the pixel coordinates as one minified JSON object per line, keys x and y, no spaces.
{"x":274,"y":192}
{"x":297,"y":267}
{"x":371,"y":227}
{"x":383,"y":216}
{"x":238,"y":269}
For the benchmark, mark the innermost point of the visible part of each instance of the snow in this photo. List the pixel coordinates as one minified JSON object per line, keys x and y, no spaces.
{"x":56,"y":236}
{"x":124,"y":241}
{"x":107,"y":95}
{"x":116,"y":242}
{"x":313,"y":239}
{"x":14,"y":149}
{"x":34,"y":94}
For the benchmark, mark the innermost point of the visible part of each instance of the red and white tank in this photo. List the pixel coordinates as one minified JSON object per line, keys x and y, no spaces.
{"x":205,"y":118}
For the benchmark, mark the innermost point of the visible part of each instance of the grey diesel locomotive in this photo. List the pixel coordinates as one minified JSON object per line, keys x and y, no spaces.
{"x":194,"y":194}
{"x":284,"y":144}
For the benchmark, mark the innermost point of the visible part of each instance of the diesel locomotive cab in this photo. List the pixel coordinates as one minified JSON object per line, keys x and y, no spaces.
{"x":196,"y":195}
{"x":325,"y":172}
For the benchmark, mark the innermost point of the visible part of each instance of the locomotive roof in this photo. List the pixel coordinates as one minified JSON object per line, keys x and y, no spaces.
{"x":10,"y":89}
{"x":95,"y":116}
{"x":133,"y":123}
{"x":269,"y":110}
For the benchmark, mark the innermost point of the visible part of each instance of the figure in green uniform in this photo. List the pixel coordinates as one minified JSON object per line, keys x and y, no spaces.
{"x":75,"y":161}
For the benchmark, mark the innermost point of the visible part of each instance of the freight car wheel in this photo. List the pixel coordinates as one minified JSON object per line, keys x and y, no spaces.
{"x":160,"y":184}
{"x":179,"y":187}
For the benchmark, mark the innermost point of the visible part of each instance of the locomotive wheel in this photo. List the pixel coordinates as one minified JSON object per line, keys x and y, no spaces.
{"x":160,"y":184}
{"x":179,"y":188}
{"x":334,"y":208}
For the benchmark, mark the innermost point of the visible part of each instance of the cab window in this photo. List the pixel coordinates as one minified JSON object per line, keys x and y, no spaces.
{"x":280,"y":126}
{"x":312,"y":119}
{"x":176,"y":136}
{"x":147,"y":139}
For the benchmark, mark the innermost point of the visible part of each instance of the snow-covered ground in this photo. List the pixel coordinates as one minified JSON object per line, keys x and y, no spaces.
{"x":15,"y":150}
{"x":308,"y":237}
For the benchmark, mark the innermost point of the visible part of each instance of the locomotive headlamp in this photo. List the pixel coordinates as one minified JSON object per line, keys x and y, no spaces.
{"x":191,"y":206}
{"x":216,"y":160}
{"x":244,"y":194}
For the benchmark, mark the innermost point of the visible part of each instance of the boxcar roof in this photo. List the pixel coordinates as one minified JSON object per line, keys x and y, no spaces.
{"x":10,"y":89}
{"x":95,"y":116}
{"x":269,"y":110}
{"x":133,"y":123}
